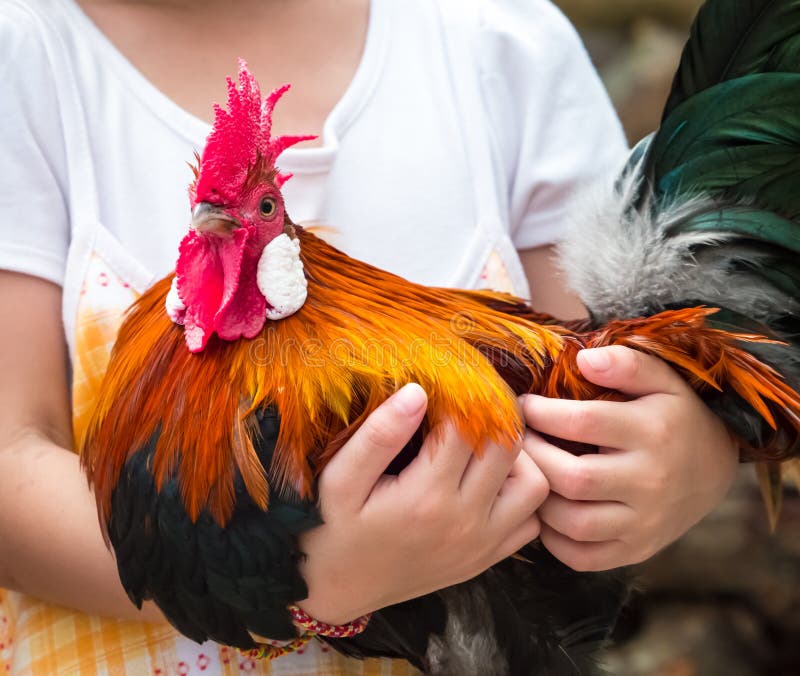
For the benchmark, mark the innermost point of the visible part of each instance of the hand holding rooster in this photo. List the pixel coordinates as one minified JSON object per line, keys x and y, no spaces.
{"x":465,"y":513}
{"x":665,"y":462}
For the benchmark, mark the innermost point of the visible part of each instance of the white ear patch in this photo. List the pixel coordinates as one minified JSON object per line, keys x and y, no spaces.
{"x":281,"y":277}
{"x":175,"y":306}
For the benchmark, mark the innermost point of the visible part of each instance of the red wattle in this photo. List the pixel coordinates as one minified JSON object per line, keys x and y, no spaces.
{"x":244,"y":315}
{"x":218,"y":295}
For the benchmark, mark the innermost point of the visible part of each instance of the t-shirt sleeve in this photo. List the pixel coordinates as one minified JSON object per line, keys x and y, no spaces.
{"x":553,"y":125}
{"x":34,"y":223}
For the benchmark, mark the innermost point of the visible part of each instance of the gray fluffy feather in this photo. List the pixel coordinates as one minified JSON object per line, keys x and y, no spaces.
{"x":623,"y":264}
{"x":469,"y":646}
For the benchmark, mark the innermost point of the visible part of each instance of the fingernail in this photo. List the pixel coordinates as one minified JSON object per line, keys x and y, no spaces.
{"x":410,"y":399}
{"x":597,"y":359}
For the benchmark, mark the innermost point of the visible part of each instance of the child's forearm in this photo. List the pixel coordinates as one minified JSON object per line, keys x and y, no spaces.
{"x":50,"y":541}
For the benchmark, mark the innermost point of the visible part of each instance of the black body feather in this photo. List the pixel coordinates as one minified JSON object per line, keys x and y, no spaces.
{"x":211,"y":582}
{"x":534,"y":616}
{"x":520,"y":617}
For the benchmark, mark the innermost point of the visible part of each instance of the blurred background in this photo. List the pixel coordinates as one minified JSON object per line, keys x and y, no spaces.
{"x":725,"y":599}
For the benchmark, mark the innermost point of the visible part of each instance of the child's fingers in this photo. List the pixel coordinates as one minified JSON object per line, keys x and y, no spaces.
{"x":602,"y":423}
{"x":584,"y":477}
{"x":521,"y":494}
{"x":443,"y":458}
{"x":587,"y":521}
{"x":485,"y":475}
{"x":350,"y":476}
{"x":630,"y":371}
{"x":581,"y":556}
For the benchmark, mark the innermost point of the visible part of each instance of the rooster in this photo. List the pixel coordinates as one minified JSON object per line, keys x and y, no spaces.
{"x":235,"y":380}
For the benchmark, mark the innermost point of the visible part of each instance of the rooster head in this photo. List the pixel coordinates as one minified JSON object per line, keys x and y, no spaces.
{"x":239,"y":265}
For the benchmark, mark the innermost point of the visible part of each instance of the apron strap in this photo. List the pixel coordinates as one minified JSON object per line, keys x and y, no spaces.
{"x":82,"y":196}
{"x":460,"y":23}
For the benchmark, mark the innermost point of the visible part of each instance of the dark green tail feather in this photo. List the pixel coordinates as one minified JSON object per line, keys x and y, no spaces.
{"x":739,"y":136}
{"x":746,"y":223}
{"x":734,"y":38}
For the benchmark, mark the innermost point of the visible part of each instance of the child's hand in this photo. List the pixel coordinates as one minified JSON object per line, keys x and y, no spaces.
{"x":444,"y":519}
{"x":665,"y":462}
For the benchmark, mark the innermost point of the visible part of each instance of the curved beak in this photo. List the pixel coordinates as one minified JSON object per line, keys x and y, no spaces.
{"x":206,"y":218}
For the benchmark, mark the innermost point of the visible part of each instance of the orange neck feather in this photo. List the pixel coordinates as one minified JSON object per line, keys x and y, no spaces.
{"x":361,"y":335}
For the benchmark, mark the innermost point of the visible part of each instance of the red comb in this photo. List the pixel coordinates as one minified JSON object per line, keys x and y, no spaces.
{"x":239,"y":138}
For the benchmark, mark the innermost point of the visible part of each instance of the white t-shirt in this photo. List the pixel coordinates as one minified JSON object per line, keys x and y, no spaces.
{"x":410,"y":157}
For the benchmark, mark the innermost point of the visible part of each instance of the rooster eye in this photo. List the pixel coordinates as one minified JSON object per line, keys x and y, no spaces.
{"x":267,"y":207}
